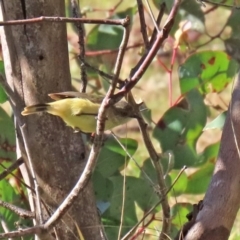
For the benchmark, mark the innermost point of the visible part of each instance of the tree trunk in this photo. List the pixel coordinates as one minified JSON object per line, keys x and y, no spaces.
{"x":222,"y":200}
{"x":36,"y":63}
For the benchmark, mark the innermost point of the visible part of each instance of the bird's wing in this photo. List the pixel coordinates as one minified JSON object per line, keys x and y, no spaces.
{"x":86,"y":114}
{"x":62,"y":95}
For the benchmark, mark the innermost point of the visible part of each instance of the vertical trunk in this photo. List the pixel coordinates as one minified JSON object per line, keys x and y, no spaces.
{"x":221,"y":203}
{"x":36,"y":63}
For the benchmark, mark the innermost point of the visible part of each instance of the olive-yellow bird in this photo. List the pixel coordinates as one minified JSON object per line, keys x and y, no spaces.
{"x":80,"y":110}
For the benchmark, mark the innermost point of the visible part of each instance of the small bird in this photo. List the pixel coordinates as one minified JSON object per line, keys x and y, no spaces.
{"x":80,"y":110}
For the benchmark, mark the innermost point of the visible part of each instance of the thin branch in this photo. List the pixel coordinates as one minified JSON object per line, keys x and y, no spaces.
{"x":159,"y":19}
{"x":61,"y":20}
{"x":147,"y":58}
{"x":123,"y":200}
{"x":81,"y":42}
{"x":219,"y":4}
{"x":4,"y":225}
{"x":23,"y":213}
{"x":131,"y":232}
{"x":119,"y":60}
{"x":22,"y":232}
{"x":133,"y":159}
{"x":36,"y":186}
{"x":113,"y":9}
{"x":110,"y":51}
{"x":11,"y":168}
{"x":103,"y":74}
{"x":87,"y":172}
{"x":152,"y":16}
{"x":143,"y":23}
{"x":107,"y":100}
{"x":160,"y":176}
{"x":8,"y":91}
{"x":135,"y":76}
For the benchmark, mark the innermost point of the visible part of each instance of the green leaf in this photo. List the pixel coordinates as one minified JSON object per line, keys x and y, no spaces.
{"x":103,"y":187}
{"x":7,"y":137}
{"x":180,"y":186}
{"x":208,"y":155}
{"x":103,"y":36}
{"x":233,"y":23}
{"x":113,"y":213}
{"x":150,"y":171}
{"x":112,"y":157}
{"x":8,"y":195}
{"x":179,"y":213}
{"x":3,"y":95}
{"x":180,"y":127}
{"x":199,"y":181}
{"x":130,"y":144}
{"x":217,"y":123}
{"x":232,"y":42}
{"x":208,"y":71}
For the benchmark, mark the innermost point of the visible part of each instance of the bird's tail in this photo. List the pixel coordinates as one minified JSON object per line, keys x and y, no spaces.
{"x":35,"y":109}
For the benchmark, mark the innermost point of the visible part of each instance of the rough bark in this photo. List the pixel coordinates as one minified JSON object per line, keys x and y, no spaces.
{"x":36,"y":63}
{"x":222,"y":200}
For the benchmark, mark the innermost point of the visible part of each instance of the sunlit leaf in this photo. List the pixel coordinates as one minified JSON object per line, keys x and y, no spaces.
{"x":209,"y":71}
{"x":180,"y":185}
{"x":217,"y":123}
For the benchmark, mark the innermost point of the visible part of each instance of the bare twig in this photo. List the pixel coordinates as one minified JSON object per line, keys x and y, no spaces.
{"x":147,"y":58}
{"x":133,"y":159}
{"x":152,"y":16}
{"x":110,"y":51}
{"x":86,"y":174}
{"x":123,"y":200}
{"x":143,"y":23}
{"x":159,"y":19}
{"x":154,"y":207}
{"x":160,"y":176}
{"x":107,"y":99}
{"x":218,"y":35}
{"x":22,"y":232}
{"x":23,"y":213}
{"x":61,"y":20}
{"x":4,"y":225}
{"x":36,"y":186}
{"x":219,"y":4}
{"x":135,"y":76}
{"x":11,"y":168}
{"x":8,"y":91}
{"x":103,"y":74}
{"x":81,"y":35}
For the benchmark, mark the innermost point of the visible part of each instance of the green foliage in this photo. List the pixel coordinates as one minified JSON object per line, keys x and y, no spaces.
{"x":108,"y":37}
{"x":177,"y":131}
{"x":118,"y":193}
{"x":179,"y":212}
{"x":207,"y":71}
{"x":180,"y":127}
{"x":7,"y":137}
{"x":3,"y":95}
